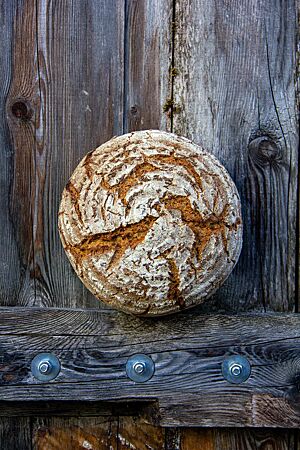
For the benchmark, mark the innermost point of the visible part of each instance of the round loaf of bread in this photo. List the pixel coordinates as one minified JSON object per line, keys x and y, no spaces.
{"x":151,"y":223}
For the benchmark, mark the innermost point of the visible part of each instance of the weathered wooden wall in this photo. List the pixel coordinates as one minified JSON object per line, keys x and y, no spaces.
{"x":75,"y":73}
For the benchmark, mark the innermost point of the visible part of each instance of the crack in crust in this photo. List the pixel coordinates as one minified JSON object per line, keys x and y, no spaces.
{"x":74,"y":194}
{"x":119,"y":241}
{"x":131,"y":235}
{"x":174,"y":293}
{"x":132,"y":179}
{"x":155,"y":281}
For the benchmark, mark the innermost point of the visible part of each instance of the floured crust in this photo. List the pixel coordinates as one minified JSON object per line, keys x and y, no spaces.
{"x":151,"y":223}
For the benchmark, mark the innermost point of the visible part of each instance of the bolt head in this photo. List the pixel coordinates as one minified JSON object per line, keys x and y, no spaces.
{"x":236,"y":369}
{"x":139,"y":367}
{"x":45,"y":367}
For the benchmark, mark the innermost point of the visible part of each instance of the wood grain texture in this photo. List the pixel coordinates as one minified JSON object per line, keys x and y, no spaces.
{"x":11,"y":273}
{"x":15,"y":433}
{"x":228,"y":439}
{"x":172,"y":438}
{"x":68,"y":71}
{"x":234,"y":92}
{"x":188,"y":383}
{"x":236,"y":85}
{"x":73,"y":112}
{"x":235,"y":67}
{"x":297,"y":440}
{"x":148,"y":57}
{"x":19,"y":93}
{"x":75,"y":433}
{"x":100,"y":433}
{"x":134,"y":433}
{"x":81,"y":69}
{"x":77,"y":61}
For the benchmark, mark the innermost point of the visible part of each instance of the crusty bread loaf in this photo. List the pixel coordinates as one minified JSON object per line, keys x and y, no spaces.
{"x":151,"y":223}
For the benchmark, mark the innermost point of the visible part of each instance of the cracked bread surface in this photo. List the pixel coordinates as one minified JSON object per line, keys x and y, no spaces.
{"x":151,"y":223}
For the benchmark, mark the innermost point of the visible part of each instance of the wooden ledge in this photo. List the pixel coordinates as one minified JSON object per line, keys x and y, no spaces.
{"x":187,"y":349}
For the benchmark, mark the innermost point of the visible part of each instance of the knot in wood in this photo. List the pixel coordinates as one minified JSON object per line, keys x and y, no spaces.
{"x":134,"y":110}
{"x":21,"y":110}
{"x":151,"y":223}
{"x":264,"y":151}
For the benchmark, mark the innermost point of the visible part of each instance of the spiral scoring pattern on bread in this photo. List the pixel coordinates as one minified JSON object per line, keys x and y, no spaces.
{"x":151,"y":223}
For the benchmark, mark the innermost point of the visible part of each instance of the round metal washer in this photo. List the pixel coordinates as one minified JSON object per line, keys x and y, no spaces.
{"x":236,"y":369}
{"x":40,"y":362}
{"x":140,"y":368}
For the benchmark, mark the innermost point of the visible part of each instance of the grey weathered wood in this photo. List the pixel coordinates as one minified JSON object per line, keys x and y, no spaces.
{"x":68,"y":71}
{"x":235,"y":64}
{"x":221,"y":79}
{"x":81,"y":69}
{"x":148,"y":57}
{"x":15,"y":218}
{"x":82,"y":77}
{"x":188,"y":350}
{"x":238,"y":61}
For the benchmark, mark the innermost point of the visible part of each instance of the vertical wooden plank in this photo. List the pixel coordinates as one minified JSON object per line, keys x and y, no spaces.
{"x":297,"y":440}
{"x":15,"y":433}
{"x":80,"y":61}
{"x":234,"y":89}
{"x":9,"y":263}
{"x":72,"y":433}
{"x":297,"y":83}
{"x":136,"y":433}
{"x":173,"y":437}
{"x":235,"y":65}
{"x":148,"y":57}
{"x":19,"y":74}
{"x":199,"y":438}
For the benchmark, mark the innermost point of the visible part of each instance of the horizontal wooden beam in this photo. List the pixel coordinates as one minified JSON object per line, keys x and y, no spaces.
{"x":188,"y":350}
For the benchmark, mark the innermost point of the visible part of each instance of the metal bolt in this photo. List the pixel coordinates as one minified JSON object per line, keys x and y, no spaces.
{"x":236,"y":369}
{"x":139,"y":367}
{"x":45,"y":367}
